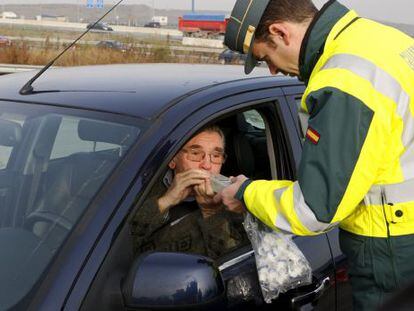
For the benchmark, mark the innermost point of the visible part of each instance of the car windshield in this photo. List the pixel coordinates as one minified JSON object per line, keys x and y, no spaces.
{"x":52,"y":163}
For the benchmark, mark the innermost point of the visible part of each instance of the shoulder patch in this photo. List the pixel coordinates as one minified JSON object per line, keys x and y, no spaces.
{"x":313,"y":135}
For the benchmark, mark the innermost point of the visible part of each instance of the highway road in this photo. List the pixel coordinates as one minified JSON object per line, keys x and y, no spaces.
{"x":136,"y":31}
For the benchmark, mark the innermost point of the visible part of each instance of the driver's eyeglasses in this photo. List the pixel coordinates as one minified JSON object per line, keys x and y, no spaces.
{"x":197,"y":155}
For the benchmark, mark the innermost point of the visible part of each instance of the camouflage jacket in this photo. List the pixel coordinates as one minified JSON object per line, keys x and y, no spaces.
{"x":183,"y":229}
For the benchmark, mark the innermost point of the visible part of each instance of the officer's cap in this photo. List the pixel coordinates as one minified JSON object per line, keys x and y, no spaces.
{"x":241,"y":27}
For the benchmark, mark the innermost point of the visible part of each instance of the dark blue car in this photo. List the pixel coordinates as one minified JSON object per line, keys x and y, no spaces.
{"x":79,"y":155}
{"x":231,"y":57}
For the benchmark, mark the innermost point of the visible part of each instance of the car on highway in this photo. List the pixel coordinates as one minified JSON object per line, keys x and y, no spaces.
{"x":113,"y":45}
{"x":99,"y":26}
{"x":153,"y":25}
{"x":81,"y":152}
{"x":231,"y":57}
{"x":4,"y":41}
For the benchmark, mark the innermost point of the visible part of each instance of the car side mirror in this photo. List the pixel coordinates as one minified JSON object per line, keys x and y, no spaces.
{"x":174,"y":280}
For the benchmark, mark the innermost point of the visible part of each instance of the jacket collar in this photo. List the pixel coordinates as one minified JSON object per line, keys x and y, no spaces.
{"x":315,"y":37}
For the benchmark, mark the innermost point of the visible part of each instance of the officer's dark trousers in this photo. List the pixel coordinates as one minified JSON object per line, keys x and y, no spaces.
{"x":378,"y":267}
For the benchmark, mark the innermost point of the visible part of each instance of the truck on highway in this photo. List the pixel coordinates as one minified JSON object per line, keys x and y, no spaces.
{"x":9,"y":15}
{"x":202,"y":25}
{"x":162,"y":20}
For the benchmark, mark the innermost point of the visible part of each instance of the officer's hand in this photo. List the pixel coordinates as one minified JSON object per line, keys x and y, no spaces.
{"x":206,"y":199}
{"x":228,"y":193}
{"x":181,"y":187}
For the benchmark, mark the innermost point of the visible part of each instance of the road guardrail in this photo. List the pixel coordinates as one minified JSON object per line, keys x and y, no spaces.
{"x":12,"y":68}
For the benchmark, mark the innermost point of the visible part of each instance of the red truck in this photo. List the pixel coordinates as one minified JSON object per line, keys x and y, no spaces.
{"x":202,"y":25}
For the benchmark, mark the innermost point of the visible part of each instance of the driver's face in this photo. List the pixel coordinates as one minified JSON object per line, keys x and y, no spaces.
{"x":208,"y":142}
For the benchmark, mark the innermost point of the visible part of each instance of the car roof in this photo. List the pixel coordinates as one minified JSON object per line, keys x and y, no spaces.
{"x":140,"y":90}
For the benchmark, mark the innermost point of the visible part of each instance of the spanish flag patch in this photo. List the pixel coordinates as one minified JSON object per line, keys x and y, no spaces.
{"x":313,"y":136}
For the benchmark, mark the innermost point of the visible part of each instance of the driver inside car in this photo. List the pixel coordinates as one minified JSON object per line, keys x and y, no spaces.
{"x":181,"y":213}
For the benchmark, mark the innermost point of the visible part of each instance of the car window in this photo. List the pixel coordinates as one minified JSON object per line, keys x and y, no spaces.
{"x":254,"y":118}
{"x":248,"y":145}
{"x":183,"y":228}
{"x":57,"y":160}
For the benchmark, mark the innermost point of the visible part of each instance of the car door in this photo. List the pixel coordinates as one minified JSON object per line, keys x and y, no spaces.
{"x":283,"y":143}
{"x":169,"y":133}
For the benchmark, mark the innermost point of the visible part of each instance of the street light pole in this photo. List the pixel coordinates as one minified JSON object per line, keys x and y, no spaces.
{"x":77,"y":11}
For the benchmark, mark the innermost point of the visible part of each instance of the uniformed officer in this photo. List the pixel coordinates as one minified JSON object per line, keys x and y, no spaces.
{"x":357,"y":167}
{"x":181,"y":214}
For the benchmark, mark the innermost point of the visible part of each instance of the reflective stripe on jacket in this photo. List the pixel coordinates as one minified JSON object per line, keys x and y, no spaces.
{"x":357,"y":166}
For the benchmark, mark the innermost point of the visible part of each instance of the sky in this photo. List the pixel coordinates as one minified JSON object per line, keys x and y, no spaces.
{"x":398,"y":11}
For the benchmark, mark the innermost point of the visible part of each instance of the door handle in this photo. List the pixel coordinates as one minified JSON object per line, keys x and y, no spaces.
{"x":311,"y":296}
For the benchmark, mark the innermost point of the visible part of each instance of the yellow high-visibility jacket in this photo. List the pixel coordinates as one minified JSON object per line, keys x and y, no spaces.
{"x":357,"y":167}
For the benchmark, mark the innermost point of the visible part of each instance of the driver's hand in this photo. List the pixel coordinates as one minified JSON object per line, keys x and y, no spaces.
{"x":206,"y":198}
{"x":181,"y":187}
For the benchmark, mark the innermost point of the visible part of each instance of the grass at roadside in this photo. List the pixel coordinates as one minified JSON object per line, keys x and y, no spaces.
{"x":24,"y":53}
